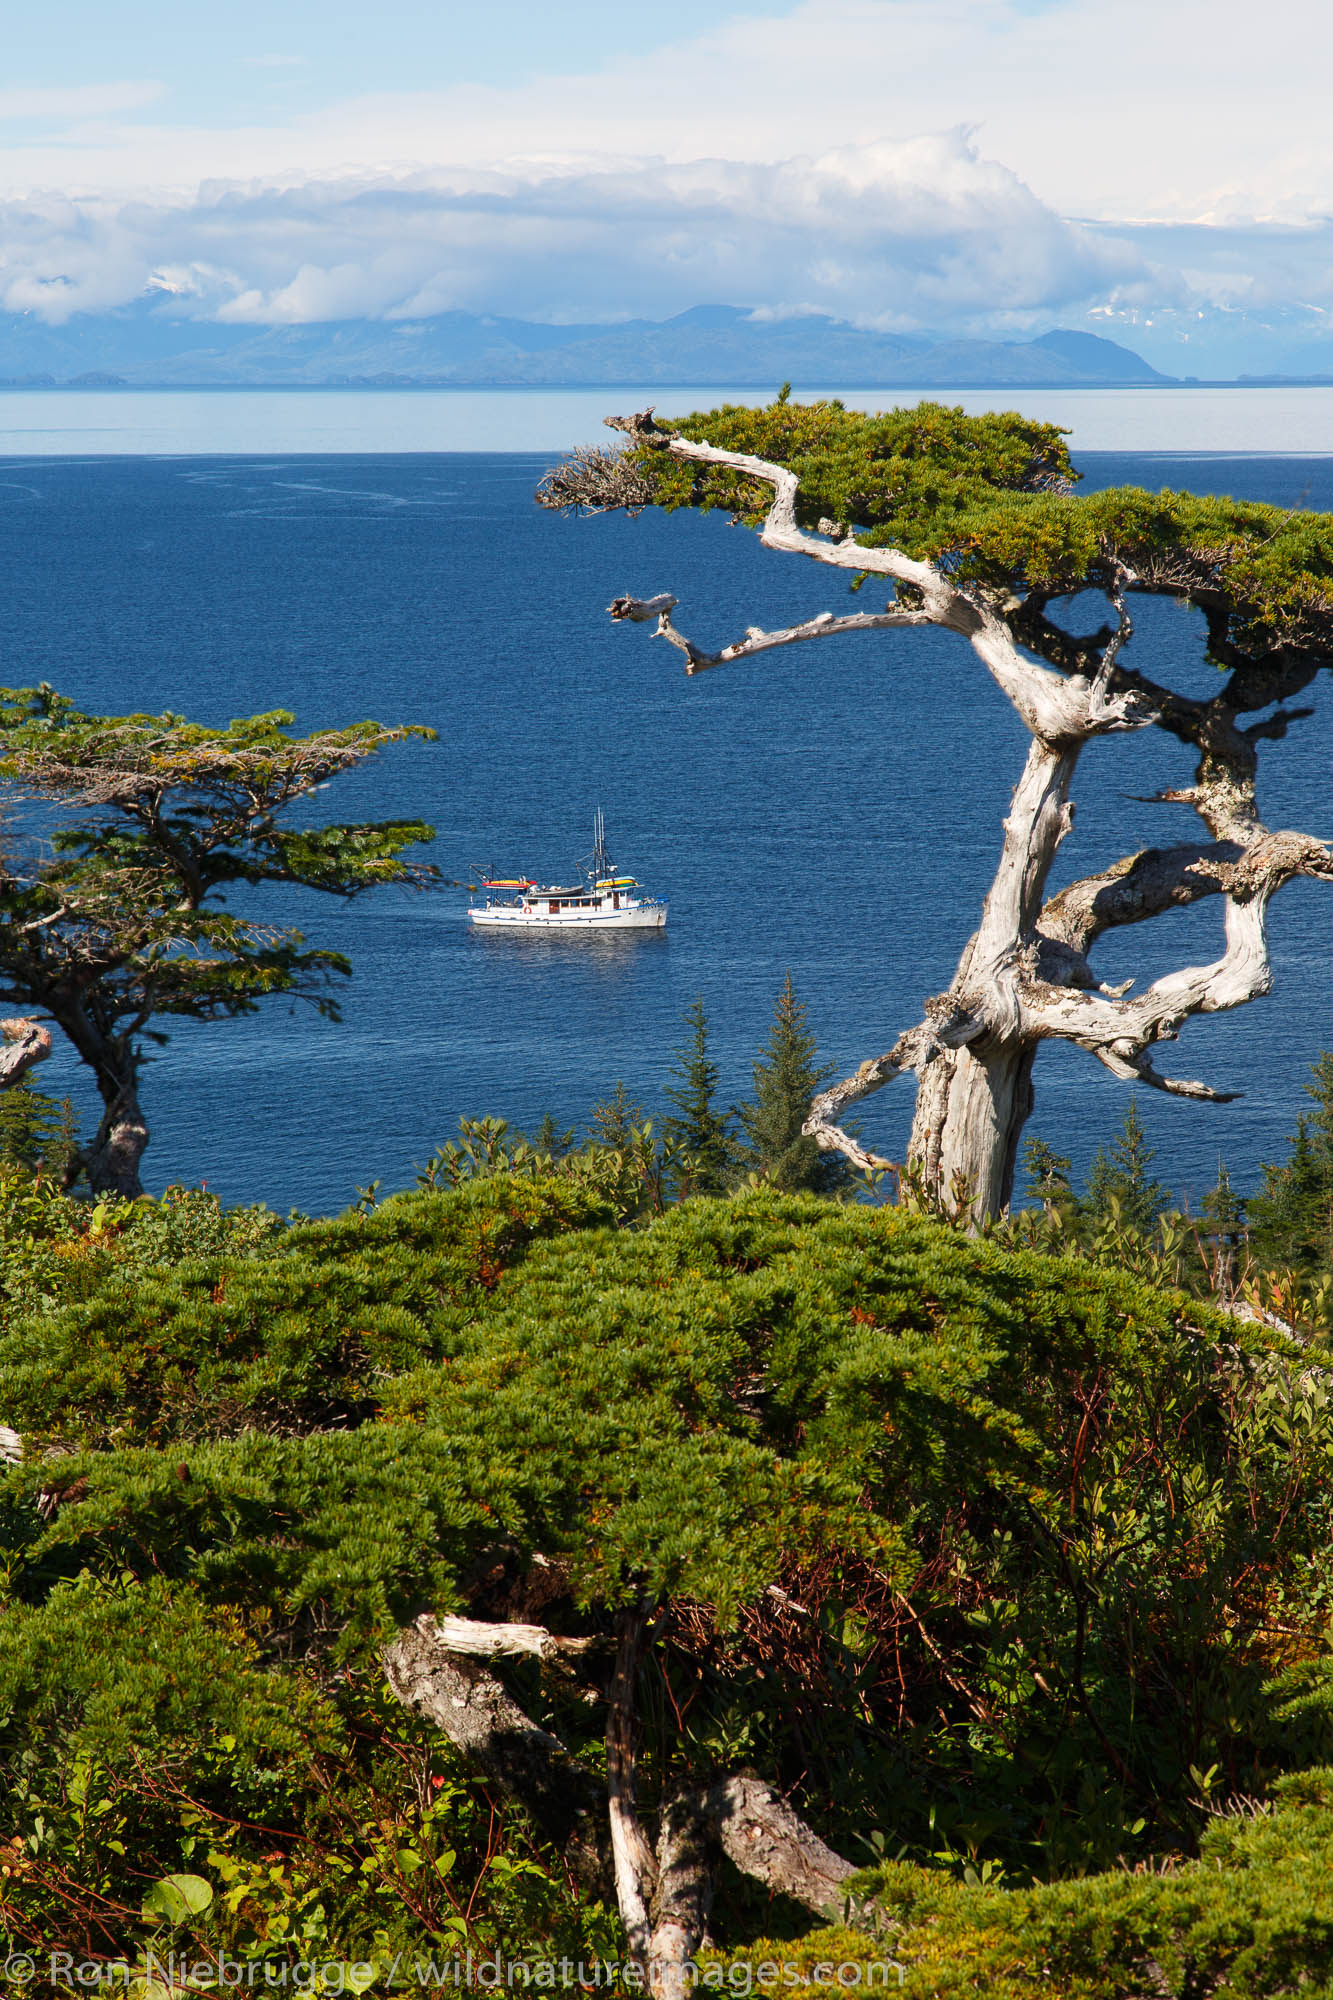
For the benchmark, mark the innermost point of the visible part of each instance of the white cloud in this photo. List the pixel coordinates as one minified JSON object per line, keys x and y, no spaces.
{"x":923,"y":232}
{"x":1191,"y":133}
{"x":1168,"y":109}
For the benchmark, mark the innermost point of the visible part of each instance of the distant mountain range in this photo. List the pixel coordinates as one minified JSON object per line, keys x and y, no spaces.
{"x":151,"y":344}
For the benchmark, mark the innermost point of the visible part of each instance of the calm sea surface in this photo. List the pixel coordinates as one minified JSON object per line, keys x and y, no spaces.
{"x":834,"y":812}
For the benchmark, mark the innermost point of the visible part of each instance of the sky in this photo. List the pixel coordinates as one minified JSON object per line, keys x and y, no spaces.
{"x":1158,"y":170}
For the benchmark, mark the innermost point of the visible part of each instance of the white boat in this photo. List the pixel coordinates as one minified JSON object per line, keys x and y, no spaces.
{"x":604,"y":901}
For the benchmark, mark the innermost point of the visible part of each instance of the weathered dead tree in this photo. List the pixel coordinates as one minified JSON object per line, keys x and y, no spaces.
{"x":988,"y":570}
{"x":664,"y":1889}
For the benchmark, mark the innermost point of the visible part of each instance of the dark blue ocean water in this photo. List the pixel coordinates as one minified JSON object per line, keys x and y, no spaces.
{"x":830,"y":811}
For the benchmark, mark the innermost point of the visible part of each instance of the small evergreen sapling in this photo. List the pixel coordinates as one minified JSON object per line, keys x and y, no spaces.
{"x":786,"y":1078}
{"x":1123,"y":1177}
{"x":37,"y":1132}
{"x":698,"y":1135}
{"x":1048,"y":1179}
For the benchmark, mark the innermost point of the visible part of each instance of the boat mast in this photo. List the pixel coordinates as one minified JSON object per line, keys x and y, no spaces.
{"x":601,"y":860}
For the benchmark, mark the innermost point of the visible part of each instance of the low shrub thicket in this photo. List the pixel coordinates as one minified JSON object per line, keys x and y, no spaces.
{"x":1012,"y":1562}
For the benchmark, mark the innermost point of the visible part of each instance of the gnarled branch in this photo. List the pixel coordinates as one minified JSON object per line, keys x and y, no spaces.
{"x":25,"y":1043}
{"x":764,"y":1838}
{"x":491,"y":1731}
{"x":1055,"y":708}
{"x":824,"y":626}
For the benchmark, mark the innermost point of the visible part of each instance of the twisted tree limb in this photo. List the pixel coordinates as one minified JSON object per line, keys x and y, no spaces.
{"x":492,"y":1732}
{"x":664,"y":1897}
{"x":25,"y":1043}
{"x":764,"y":1838}
{"x":1055,"y":707}
{"x":639,"y":611}
{"x":1024,"y":976}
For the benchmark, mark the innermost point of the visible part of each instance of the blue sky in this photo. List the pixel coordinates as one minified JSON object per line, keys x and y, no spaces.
{"x":1158,"y":168}
{"x":241,"y":62}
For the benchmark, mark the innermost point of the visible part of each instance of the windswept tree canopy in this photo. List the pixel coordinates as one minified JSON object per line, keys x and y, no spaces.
{"x":976,"y":526}
{"x":124,"y":835}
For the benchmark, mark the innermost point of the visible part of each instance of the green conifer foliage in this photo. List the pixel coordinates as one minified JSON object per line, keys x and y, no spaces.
{"x":37,"y":1132}
{"x":130,"y":914}
{"x":1048,"y":1174}
{"x":615,"y":1120}
{"x":698,"y":1132}
{"x":995,"y":1550}
{"x":1291,"y":1217}
{"x":786,"y":1077}
{"x":1121,"y":1181}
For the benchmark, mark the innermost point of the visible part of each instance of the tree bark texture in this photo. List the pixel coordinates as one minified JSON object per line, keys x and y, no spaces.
{"x":664,"y":1896}
{"x":488,"y":1728}
{"x":111,"y":1160}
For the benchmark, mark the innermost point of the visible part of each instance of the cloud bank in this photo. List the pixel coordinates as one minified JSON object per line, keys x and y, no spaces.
{"x":925,"y":232}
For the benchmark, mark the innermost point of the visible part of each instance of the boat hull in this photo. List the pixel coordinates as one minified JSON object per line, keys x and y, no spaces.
{"x":650,"y":918}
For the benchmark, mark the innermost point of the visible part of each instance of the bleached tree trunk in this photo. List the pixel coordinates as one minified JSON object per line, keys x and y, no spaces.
{"x":971,"y":1107}
{"x":1024,"y":977}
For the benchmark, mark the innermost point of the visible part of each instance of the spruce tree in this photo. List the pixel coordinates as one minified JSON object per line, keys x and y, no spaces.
{"x":1048,"y":1179}
{"x":615,"y":1120}
{"x":786,"y":1078}
{"x":1224,"y":1219}
{"x":36,"y":1131}
{"x":699,"y":1133}
{"x":1124,"y":1175}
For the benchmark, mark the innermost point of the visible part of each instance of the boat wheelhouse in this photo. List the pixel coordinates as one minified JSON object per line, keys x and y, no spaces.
{"x":604,"y":901}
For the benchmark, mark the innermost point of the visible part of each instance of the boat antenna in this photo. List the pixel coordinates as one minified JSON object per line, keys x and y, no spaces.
{"x":601,"y":860}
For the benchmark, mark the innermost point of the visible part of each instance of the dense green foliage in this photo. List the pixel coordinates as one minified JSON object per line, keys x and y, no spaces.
{"x":38,"y":1133}
{"x":992,"y":495}
{"x":1051,"y":1546}
{"x":1250,"y":1918}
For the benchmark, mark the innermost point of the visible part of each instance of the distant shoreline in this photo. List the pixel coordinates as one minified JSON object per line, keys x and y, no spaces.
{"x":352,"y":386}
